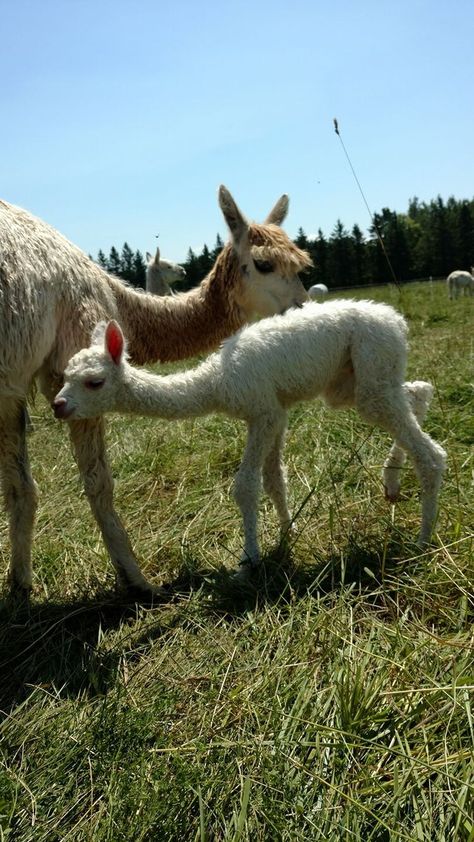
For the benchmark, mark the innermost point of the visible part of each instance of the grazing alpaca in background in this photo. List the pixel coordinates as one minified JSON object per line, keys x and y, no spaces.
{"x":51,"y":297}
{"x":161,"y":274}
{"x":350,"y":353}
{"x":318,"y":291}
{"x":460,"y":282}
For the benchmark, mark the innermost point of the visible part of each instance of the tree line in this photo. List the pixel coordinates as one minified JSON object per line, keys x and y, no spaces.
{"x":127,"y":264}
{"x":429,"y":240}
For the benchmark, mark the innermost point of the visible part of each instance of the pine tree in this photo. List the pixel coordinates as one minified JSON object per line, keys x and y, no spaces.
{"x":442,"y":239}
{"x":139,"y":270}
{"x":360,"y":256}
{"x":113,"y":263}
{"x":465,"y":236}
{"x":341,"y":263}
{"x":217,"y":249}
{"x":205,"y":262}
{"x":191,"y":265}
{"x":101,"y":259}
{"x":319,"y":251}
{"x":126,"y":263}
{"x":301,"y":240}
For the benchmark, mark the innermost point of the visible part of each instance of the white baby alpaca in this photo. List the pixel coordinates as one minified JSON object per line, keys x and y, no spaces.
{"x":350,"y":353}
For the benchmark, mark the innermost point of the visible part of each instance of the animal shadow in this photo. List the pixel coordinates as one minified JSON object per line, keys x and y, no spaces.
{"x":366,"y":569}
{"x":55,"y":645}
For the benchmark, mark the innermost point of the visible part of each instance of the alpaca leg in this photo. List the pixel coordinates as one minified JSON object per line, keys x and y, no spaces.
{"x":19,"y":492}
{"x":274,"y":480}
{"x":419,"y":394}
{"x":261,"y":433}
{"x":88,"y":441}
{"x":391,"y":410}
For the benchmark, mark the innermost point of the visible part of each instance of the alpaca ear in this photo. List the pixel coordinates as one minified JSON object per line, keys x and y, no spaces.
{"x":279,"y":211}
{"x":148,"y":257}
{"x":114,"y":341}
{"x":97,"y":336}
{"x":233,"y":216}
{"x":157,"y":256}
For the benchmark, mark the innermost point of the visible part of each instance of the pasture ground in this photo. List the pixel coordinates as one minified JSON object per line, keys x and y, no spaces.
{"x":329,"y":699}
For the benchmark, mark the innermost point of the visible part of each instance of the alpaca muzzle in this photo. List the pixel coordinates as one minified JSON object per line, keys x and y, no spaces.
{"x":61,"y":409}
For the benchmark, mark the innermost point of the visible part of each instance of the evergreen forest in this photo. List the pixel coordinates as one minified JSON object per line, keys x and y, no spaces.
{"x":429,"y":240}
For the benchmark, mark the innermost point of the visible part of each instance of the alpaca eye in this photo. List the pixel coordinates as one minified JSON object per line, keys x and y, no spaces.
{"x":263,"y":266}
{"x":94,"y":384}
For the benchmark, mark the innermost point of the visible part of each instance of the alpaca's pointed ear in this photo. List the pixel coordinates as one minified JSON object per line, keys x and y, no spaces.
{"x":148,"y":257}
{"x":279,"y":211}
{"x":157,"y":256}
{"x":98,"y":334}
{"x":114,"y":341}
{"x":233,"y":215}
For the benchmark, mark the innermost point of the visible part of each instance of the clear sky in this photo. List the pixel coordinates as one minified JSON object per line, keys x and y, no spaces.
{"x":119,"y":120}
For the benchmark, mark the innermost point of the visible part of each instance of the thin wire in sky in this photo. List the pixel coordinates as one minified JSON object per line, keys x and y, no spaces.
{"x":379,"y":236}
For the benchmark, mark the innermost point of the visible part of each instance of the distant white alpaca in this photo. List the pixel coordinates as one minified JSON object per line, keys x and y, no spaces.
{"x":460,"y":282}
{"x":160,"y":274}
{"x":318,"y":291}
{"x":351,"y":353}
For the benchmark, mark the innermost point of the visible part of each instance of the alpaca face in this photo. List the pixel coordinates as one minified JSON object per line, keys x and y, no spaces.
{"x":265,"y":290}
{"x":93,"y":377}
{"x":269,"y":261}
{"x":161,"y":274}
{"x":90,"y":388}
{"x":171,"y":272}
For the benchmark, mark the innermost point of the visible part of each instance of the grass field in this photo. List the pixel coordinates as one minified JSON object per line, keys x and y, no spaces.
{"x":329,"y":699}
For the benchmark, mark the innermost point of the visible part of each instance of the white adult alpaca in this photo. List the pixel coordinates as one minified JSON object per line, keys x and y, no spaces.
{"x":51,"y":297}
{"x":161,"y":274}
{"x":460,"y":282}
{"x":318,"y":291}
{"x":351,"y":353}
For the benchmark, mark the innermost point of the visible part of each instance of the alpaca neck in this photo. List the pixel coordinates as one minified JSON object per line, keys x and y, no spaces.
{"x":156,"y":284}
{"x":179,"y":326}
{"x":184,"y":395}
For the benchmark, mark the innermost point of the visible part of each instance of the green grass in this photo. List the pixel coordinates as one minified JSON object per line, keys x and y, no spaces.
{"x":329,"y":699}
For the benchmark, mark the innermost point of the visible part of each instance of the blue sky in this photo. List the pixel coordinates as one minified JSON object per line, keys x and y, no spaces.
{"x":120,"y":119}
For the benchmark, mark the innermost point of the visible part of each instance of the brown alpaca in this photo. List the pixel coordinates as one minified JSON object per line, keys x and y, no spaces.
{"x":51,"y":297}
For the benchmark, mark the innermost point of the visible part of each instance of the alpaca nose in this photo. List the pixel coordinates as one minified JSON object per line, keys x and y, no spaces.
{"x":60,"y":408}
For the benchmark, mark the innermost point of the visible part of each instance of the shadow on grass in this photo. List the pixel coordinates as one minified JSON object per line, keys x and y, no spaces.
{"x":55,"y":645}
{"x":357,"y":567}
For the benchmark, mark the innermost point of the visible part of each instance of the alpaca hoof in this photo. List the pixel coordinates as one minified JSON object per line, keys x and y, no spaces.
{"x":392,"y":495}
{"x":18,"y":597}
{"x":244,"y":573}
{"x":19,"y":591}
{"x":248,"y":564}
{"x":143,"y":595}
{"x":249,"y":559}
{"x":423,"y":543}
